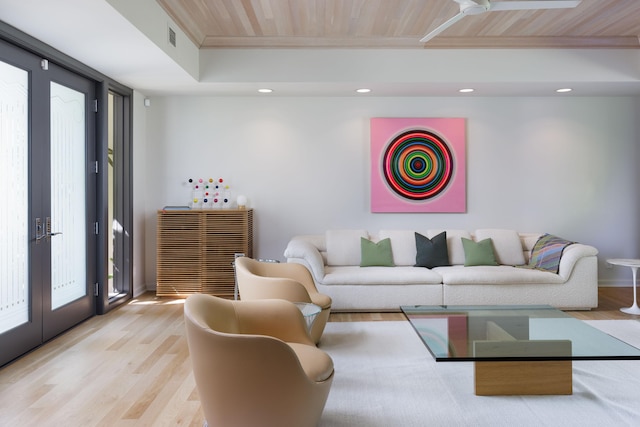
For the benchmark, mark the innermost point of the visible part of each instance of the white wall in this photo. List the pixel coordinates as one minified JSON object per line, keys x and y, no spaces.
{"x":152,"y":21}
{"x":563,"y":165}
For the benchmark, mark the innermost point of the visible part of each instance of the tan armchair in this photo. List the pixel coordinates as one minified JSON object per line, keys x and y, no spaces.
{"x":254,"y":363}
{"x":289,"y":281}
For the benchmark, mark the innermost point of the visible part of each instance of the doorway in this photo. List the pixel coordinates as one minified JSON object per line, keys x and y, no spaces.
{"x":48,"y":200}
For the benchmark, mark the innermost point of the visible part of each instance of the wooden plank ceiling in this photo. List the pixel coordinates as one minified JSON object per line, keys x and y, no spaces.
{"x":400,"y":24}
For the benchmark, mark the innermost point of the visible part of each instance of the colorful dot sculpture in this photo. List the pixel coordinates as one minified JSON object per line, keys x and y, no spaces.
{"x":418,"y":165}
{"x":209,"y":194}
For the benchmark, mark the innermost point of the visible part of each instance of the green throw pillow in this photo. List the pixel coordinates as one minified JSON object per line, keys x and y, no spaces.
{"x":478,"y":253}
{"x":376,"y":254}
{"x":432,"y":252}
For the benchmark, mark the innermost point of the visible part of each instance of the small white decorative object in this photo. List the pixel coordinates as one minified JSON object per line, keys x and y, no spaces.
{"x":241,"y":201}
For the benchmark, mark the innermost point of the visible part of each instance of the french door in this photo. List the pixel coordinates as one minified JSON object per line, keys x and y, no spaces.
{"x":47,"y":200}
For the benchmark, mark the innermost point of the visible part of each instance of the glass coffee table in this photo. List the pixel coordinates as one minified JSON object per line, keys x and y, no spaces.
{"x":516,"y":350}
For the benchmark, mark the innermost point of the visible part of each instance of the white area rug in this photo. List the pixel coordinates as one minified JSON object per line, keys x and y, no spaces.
{"x":386,"y":377}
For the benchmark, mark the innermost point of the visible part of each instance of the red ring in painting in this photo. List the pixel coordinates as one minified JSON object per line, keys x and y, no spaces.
{"x":418,"y":165}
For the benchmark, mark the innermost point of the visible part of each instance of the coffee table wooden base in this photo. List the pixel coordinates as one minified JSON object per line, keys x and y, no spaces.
{"x":523,"y":378}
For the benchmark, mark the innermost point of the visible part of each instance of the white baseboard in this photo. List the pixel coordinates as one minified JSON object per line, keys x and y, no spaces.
{"x":615,"y":284}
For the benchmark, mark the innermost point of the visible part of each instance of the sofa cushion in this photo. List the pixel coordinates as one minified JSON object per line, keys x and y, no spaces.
{"x":454,"y":244}
{"x":506,"y":244}
{"x":372,"y":276}
{"x":403,"y":246}
{"x":431,"y":252}
{"x":495,"y":275}
{"x":478,"y":253}
{"x":375,"y":254}
{"x":343,"y":246}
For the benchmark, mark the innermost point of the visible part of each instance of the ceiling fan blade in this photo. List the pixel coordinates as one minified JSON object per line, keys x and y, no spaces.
{"x":442,"y":27}
{"x":534,"y":4}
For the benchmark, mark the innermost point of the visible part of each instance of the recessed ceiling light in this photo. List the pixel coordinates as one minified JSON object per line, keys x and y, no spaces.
{"x":363,"y":90}
{"x":563,"y":90}
{"x":265,"y":90}
{"x":466,"y":90}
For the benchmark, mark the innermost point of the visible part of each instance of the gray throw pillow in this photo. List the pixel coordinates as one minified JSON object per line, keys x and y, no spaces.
{"x":432,"y":252}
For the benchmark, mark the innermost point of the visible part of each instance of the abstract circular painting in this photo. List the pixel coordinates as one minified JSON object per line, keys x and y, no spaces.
{"x":418,"y":165}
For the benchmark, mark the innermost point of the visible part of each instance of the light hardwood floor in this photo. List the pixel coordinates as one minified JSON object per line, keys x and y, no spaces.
{"x":131,"y":367}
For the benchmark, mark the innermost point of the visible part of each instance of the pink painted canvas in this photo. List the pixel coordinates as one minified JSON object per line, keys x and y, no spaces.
{"x":418,"y":165}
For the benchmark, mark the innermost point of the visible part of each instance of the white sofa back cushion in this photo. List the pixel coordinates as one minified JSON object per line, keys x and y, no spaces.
{"x":343,"y":246}
{"x":403,"y":246}
{"x":506,"y":244}
{"x":454,"y":243}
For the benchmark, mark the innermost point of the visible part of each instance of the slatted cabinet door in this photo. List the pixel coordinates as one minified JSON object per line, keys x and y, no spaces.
{"x":227,"y":232}
{"x":196,"y":249}
{"x":179,"y":240}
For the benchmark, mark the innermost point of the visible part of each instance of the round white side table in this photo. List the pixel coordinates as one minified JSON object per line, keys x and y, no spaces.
{"x":634,"y":264}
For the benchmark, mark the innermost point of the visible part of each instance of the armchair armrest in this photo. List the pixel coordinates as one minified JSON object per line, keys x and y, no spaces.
{"x":297,"y":283}
{"x":264,"y":287}
{"x":276,"y":318}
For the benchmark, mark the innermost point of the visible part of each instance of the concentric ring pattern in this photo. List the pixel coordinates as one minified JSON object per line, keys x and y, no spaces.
{"x":418,"y":165}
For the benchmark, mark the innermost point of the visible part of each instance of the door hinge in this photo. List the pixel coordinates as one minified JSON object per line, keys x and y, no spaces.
{"x":95,"y":289}
{"x":95,"y":167}
{"x":95,"y":228}
{"x":95,"y":105}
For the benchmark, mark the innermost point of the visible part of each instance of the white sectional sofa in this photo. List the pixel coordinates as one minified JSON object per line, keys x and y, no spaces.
{"x":334,"y":260}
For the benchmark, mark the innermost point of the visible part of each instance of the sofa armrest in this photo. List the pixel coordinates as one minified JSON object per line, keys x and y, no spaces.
{"x":571,"y":255}
{"x":305,"y":253}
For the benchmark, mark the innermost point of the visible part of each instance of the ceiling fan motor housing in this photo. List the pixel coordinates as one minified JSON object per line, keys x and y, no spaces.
{"x":470,"y":7}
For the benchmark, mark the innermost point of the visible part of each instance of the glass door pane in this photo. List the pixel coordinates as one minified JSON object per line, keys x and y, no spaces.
{"x":116,"y":272}
{"x":14,"y":197}
{"x":111,"y":268}
{"x":68,"y":225}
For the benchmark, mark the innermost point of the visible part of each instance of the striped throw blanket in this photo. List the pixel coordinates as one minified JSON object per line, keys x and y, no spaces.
{"x":546,"y":253}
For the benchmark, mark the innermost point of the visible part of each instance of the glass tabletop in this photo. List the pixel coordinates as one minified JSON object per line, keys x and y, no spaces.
{"x":309,"y":311}
{"x":498,"y":333}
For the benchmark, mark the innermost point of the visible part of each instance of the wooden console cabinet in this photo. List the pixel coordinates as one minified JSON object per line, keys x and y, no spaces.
{"x":196,"y":250}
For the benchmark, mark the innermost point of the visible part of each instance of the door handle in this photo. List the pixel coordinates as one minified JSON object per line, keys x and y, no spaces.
{"x":44,"y":232}
{"x":48,"y":232}
{"x":39,"y":232}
